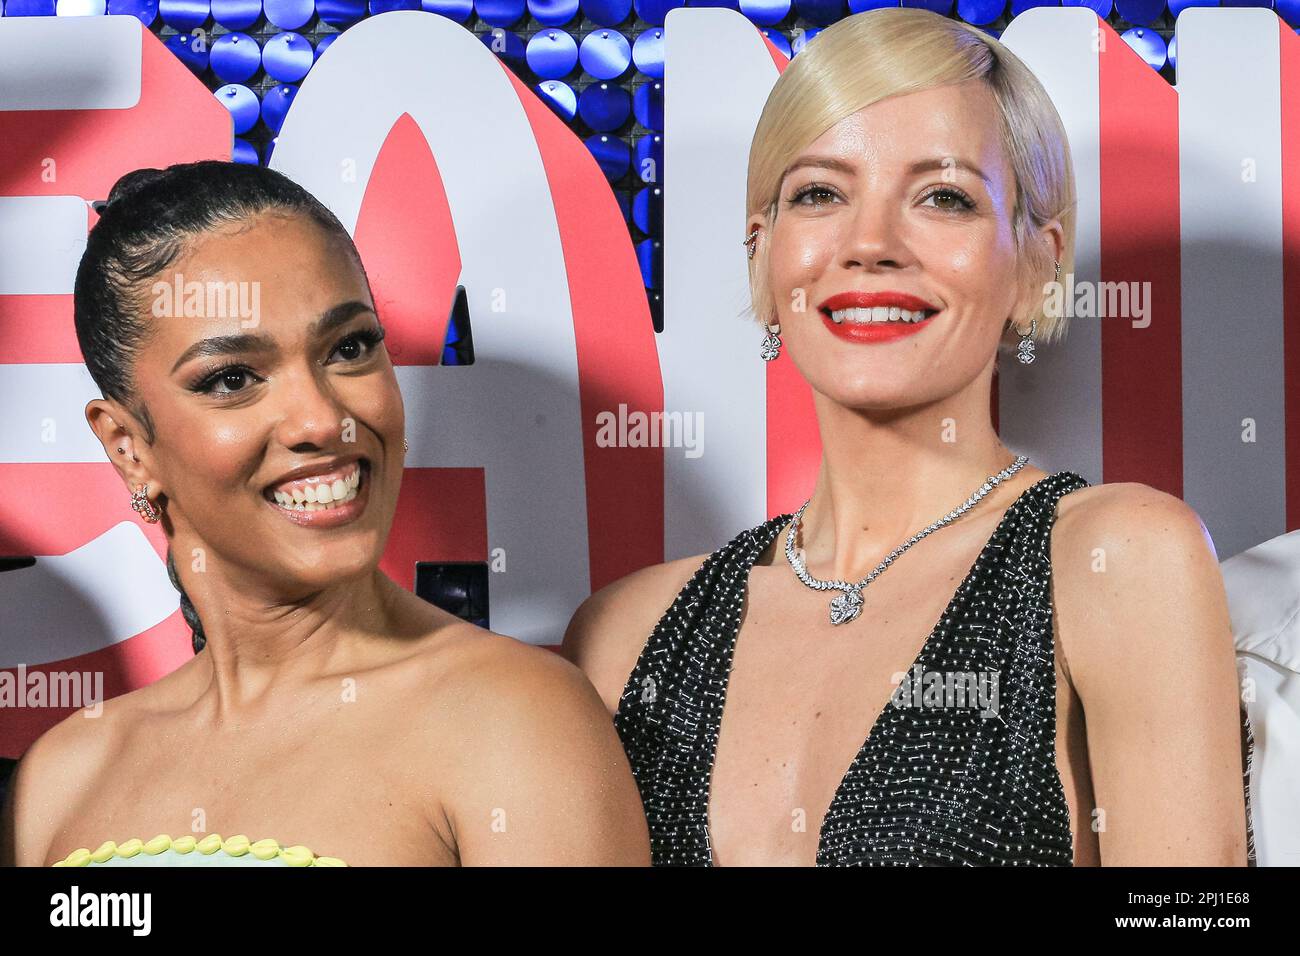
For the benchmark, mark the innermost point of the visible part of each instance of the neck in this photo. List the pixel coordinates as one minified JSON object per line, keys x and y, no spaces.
{"x":262,"y":644}
{"x":885,"y":476}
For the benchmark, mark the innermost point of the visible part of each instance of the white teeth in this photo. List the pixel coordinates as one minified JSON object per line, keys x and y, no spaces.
{"x":347,"y":496}
{"x":876,"y":314}
{"x":288,"y":502}
{"x":319,"y":496}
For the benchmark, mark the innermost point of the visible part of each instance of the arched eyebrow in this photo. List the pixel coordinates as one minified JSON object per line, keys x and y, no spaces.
{"x":937,"y":164}
{"x":214,"y":345}
{"x":946,"y":162}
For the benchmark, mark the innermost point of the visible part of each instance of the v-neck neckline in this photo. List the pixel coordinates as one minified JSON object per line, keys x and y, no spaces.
{"x":774,"y":528}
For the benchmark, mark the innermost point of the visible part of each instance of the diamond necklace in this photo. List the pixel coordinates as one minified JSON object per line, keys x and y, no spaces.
{"x":845,"y":607}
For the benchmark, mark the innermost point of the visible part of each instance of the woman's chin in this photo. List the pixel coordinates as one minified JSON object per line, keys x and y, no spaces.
{"x":879,"y":396}
{"x":322,"y":557}
{"x":329,"y":565}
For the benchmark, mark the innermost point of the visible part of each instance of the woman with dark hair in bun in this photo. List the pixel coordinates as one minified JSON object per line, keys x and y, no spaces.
{"x":326,"y":707}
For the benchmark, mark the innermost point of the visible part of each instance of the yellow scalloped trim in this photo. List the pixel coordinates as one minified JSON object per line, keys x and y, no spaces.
{"x":238,"y":845}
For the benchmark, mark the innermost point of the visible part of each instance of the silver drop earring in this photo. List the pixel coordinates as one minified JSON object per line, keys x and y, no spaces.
{"x":1025,"y":350}
{"x":771,"y":347}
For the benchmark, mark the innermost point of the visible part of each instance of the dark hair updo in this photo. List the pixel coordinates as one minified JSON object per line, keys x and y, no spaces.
{"x":146,"y":223}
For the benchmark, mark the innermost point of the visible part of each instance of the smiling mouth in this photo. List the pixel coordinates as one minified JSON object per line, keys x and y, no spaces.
{"x":325,"y":492}
{"x":878,"y":315}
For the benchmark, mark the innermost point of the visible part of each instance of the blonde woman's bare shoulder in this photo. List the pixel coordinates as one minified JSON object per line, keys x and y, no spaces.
{"x":1138,"y":564}
{"x":610,"y":628}
{"x":1129,"y":514}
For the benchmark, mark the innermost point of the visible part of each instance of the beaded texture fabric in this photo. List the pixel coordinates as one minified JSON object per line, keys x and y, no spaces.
{"x":931,"y":785}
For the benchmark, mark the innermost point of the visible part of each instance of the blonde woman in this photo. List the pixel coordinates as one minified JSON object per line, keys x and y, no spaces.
{"x":928,"y":664}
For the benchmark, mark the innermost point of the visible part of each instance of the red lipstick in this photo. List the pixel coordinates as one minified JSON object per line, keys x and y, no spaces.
{"x":875,"y":332}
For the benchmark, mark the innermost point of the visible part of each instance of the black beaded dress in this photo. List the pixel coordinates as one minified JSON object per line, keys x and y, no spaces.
{"x":931,"y":786}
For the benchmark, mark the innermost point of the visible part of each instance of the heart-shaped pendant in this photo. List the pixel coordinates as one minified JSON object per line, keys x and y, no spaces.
{"x":846,"y":606}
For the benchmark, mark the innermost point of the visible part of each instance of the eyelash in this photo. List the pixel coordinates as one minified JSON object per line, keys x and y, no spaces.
{"x":968,"y":204}
{"x":211,"y":375}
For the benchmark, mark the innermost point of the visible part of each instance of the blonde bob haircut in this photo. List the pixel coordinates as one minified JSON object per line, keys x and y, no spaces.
{"x":869,"y":56}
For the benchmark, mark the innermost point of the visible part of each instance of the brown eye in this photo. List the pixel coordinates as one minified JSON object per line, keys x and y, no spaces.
{"x":225,"y":381}
{"x":815,"y":190}
{"x":350,"y":349}
{"x":358,"y":345}
{"x":963,"y":202}
{"x":233,"y":380}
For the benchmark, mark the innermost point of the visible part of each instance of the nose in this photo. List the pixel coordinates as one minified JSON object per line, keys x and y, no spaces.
{"x":874,"y":240}
{"x":311,"y":415}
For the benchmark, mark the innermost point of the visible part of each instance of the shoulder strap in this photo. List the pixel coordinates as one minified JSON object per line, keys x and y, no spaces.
{"x":689,"y":647}
{"x":1040,"y":513}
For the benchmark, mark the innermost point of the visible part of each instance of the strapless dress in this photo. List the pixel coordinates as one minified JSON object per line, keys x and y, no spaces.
{"x":211,"y":850}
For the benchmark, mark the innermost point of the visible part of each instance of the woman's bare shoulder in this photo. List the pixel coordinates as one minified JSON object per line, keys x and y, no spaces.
{"x":1128,"y":516}
{"x":466,"y":656}
{"x":528,"y":765}
{"x":92,"y":733}
{"x":1145,"y":637}
{"x":60,"y":764}
{"x":1132,"y":560}
{"x":610,"y":628}
{"x":470,"y":675}
{"x":70,"y":758}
